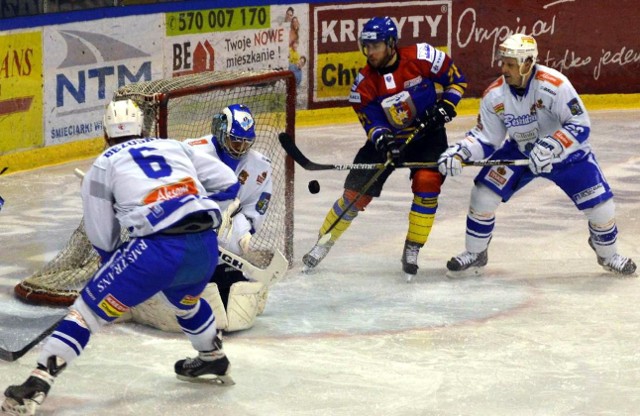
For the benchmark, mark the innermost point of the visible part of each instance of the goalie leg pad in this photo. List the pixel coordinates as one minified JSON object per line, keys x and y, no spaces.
{"x":158,"y":312}
{"x":246,"y":301}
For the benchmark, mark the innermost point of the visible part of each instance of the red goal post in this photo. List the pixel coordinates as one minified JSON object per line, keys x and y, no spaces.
{"x":180,"y":108}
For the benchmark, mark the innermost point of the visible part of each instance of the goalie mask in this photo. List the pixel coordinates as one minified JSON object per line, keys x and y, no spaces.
{"x":122,"y":119}
{"x":234,"y":128}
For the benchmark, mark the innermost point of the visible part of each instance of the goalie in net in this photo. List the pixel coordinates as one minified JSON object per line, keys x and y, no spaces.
{"x":183,"y":107}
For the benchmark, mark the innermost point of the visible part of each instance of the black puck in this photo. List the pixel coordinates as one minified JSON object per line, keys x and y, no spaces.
{"x":314,"y":187}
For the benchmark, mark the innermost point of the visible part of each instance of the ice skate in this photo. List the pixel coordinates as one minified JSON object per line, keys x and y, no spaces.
{"x":467,"y":264}
{"x":316,"y":255}
{"x":26,"y":398}
{"x":617,"y":263}
{"x":208,"y":367}
{"x":410,"y":259}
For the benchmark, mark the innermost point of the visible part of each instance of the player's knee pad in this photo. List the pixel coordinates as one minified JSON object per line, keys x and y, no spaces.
{"x":426,"y":181}
{"x":350,"y":195}
{"x":246,"y":302}
{"x":602,"y":216}
{"x":484,"y":202}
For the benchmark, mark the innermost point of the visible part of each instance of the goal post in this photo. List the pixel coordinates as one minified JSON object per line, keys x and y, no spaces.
{"x":180,"y":108}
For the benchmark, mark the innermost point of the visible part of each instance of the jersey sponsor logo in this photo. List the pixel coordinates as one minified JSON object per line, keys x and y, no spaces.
{"x":263,"y":203}
{"x":412,"y":82}
{"x":511,"y":120}
{"x":355,"y":97}
{"x":548,"y":90}
{"x":499,"y":176}
{"x":189,"y":300}
{"x":186,"y":186}
{"x":425,"y":52}
{"x":522,"y":138}
{"x":575,"y":107}
{"x":545,"y":76}
{"x":112,"y":307}
{"x":589,"y":193}
{"x":438,"y":61}
{"x":119,"y":263}
{"x":197,"y":142}
{"x":563,"y":139}
{"x":357,"y":81}
{"x":243,"y":176}
{"x":261,"y":178}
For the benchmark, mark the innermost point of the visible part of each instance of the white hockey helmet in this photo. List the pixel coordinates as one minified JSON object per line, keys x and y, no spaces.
{"x":519,"y":46}
{"x":234,"y":128}
{"x":123,"y":118}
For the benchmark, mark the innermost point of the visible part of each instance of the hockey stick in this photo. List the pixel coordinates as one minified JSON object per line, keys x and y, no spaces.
{"x":389,"y":163}
{"x":3,"y":170}
{"x":20,"y":329}
{"x":292,"y":150}
{"x":268,"y":276}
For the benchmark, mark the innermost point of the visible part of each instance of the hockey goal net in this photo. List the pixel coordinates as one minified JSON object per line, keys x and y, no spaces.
{"x":181,"y":108}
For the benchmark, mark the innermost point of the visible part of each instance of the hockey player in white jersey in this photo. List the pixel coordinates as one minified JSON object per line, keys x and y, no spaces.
{"x":543,"y":119}
{"x":165,"y":194}
{"x":236,"y":300}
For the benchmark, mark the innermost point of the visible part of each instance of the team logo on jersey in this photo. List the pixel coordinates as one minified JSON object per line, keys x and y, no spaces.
{"x":499,"y":108}
{"x":112,"y":307}
{"x":389,"y":82}
{"x":574,"y":107}
{"x":399,"y":109}
{"x":186,"y":186}
{"x":243,"y":176}
{"x":261,"y":178}
{"x":263,"y":203}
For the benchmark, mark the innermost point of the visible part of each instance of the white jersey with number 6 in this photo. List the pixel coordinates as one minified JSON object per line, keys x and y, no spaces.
{"x":147,"y":185}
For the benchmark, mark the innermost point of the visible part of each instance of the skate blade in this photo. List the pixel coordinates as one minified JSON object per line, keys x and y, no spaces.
{"x":409,"y":277}
{"x":223,"y":380}
{"x":470,"y":272}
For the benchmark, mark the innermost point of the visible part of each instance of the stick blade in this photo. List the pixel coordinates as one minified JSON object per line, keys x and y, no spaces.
{"x":19,"y":334}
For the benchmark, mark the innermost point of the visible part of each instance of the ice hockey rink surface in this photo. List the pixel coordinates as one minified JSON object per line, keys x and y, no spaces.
{"x":545,"y":332}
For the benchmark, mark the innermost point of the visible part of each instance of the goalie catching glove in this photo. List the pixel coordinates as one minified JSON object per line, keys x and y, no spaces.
{"x":543,"y":153}
{"x":451,"y":160}
{"x":386,"y":144}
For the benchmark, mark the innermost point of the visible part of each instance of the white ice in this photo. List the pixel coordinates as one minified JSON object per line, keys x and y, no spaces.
{"x":545,"y":332}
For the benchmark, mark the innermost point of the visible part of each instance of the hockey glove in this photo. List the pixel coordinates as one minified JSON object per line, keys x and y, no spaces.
{"x":226,"y":225}
{"x":544,"y":151}
{"x":451,"y":160}
{"x":388,"y":146}
{"x":435,"y":117}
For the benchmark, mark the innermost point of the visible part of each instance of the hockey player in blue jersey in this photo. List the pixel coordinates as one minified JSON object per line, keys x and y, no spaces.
{"x":392,"y":95}
{"x":543,"y":119}
{"x":164,"y":192}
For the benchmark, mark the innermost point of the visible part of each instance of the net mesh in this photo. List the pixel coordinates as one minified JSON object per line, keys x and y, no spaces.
{"x":181,"y":108}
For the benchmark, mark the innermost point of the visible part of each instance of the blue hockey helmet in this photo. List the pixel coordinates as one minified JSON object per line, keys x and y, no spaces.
{"x":234,"y":128}
{"x":379,"y":29}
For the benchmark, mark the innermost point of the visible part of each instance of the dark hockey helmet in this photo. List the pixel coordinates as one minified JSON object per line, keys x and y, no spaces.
{"x":379,"y":29}
{"x":234,"y":128}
